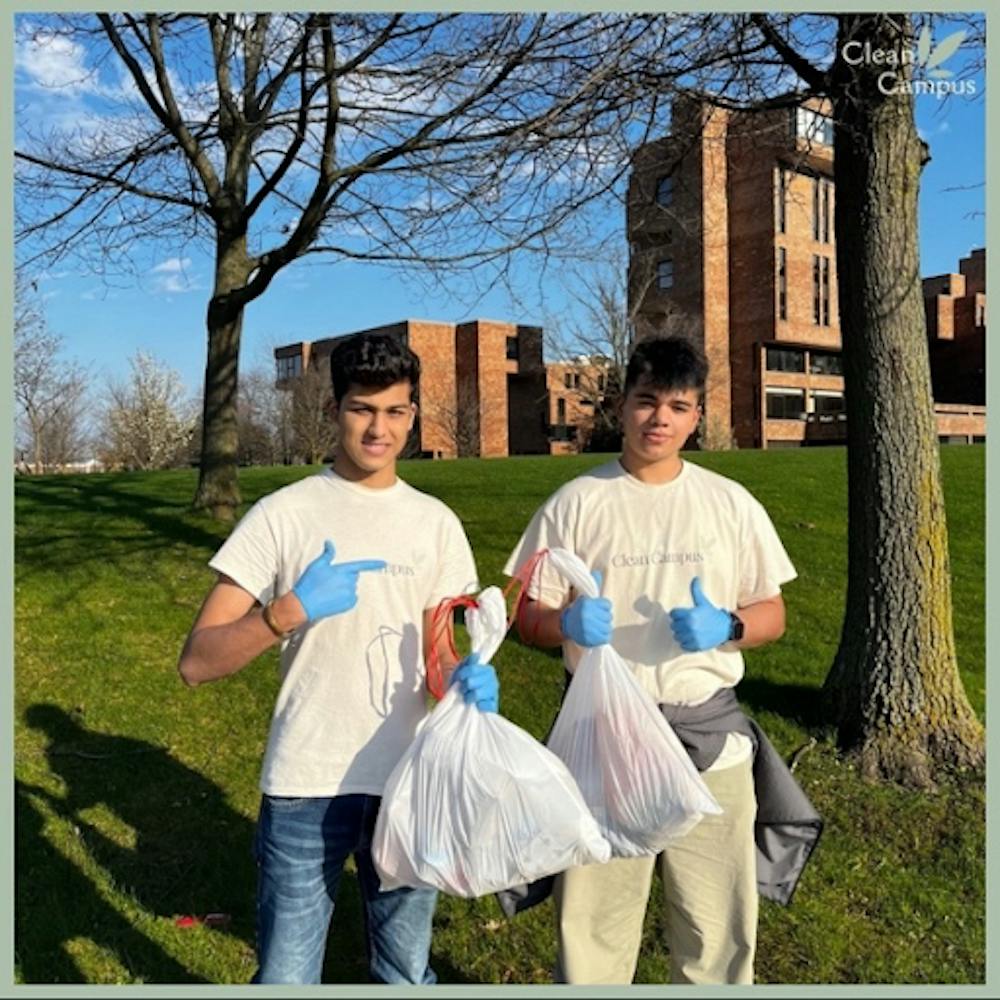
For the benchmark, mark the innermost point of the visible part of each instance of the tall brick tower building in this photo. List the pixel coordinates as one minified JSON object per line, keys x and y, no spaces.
{"x":730,"y":224}
{"x":731,"y":241}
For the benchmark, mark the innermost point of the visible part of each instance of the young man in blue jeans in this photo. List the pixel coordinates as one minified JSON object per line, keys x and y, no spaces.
{"x":354,"y":627}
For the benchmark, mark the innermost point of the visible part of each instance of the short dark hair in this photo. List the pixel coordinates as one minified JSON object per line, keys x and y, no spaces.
{"x":668,"y":364}
{"x":374,"y":360}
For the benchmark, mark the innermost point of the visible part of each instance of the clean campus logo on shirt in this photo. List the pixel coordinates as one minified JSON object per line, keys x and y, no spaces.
{"x":398,"y":569}
{"x":657,"y":557}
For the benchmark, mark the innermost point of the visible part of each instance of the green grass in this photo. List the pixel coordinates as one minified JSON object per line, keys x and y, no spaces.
{"x":136,"y":796}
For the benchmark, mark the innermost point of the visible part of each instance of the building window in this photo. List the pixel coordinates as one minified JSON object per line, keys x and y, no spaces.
{"x":827,"y":228}
{"x":813,"y":127}
{"x":665,"y":191}
{"x":825,"y":291}
{"x":828,"y":404}
{"x":785,"y":359}
{"x":782,"y":283}
{"x":576,"y":380}
{"x":821,"y":363}
{"x":781,"y":197}
{"x":513,"y":348}
{"x":785,"y":404}
{"x":561,"y":411}
{"x":601,"y":382}
{"x":816,"y":208}
{"x":665,"y":274}
{"x":289,"y":366}
{"x":817,"y":291}
{"x":567,"y":381}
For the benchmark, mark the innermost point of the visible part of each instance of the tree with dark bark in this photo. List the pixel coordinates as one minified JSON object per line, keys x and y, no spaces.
{"x":894,"y":690}
{"x":444,"y":140}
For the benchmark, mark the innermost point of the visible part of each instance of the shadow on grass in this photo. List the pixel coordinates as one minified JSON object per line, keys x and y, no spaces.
{"x":163,"y":834}
{"x":167,"y":519}
{"x":798,"y":703}
{"x":166,"y":839}
{"x":57,"y":905}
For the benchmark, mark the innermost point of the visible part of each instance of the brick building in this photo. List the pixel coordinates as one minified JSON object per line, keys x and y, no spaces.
{"x":955,"y":305}
{"x":730,"y":227}
{"x":484,"y":388}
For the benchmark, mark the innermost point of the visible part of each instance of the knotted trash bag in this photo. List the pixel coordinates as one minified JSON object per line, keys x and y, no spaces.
{"x":476,"y":804}
{"x":635,"y":776}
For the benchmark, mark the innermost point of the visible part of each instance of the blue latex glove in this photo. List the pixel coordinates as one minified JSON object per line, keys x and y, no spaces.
{"x":327,"y":588}
{"x":478,"y":683}
{"x":701,"y":627}
{"x":587,"y":621}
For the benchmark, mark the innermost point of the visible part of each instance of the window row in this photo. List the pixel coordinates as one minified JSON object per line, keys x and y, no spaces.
{"x":289,"y":367}
{"x":791,"y":404}
{"x":821,"y":287}
{"x":794,"y":359}
{"x":571,"y":380}
{"x":822,"y":205}
{"x":812,"y":126}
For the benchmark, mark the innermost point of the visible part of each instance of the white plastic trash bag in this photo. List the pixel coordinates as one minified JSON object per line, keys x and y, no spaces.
{"x":634,"y":773}
{"x":476,"y":804}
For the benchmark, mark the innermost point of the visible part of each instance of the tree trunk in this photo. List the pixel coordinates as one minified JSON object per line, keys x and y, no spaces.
{"x":218,"y":487}
{"x":894,"y":686}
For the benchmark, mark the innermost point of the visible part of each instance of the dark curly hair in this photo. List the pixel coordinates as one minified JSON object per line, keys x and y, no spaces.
{"x":372,"y":360}
{"x":667,"y":364}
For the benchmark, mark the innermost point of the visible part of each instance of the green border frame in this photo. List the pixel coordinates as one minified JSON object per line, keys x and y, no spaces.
{"x":7,"y":987}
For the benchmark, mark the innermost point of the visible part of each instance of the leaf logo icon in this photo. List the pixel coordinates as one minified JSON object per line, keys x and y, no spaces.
{"x":944,"y":50}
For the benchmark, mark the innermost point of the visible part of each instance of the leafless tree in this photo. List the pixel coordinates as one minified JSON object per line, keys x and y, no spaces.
{"x":597,"y":336}
{"x":261,"y":415}
{"x":314,"y":431}
{"x":454,"y":426}
{"x":147,"y":420}
{"x":49,"y":391}
{"x":447,"y":140}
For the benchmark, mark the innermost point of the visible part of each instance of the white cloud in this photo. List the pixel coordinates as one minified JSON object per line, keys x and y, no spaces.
{"x":172,"y":265}
{"x":173,"y":277}
{"x":52,"y":61}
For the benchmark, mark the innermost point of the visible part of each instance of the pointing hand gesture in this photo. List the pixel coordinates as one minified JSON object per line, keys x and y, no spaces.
{"x":327,"y":588}
{"x":703,"y":626}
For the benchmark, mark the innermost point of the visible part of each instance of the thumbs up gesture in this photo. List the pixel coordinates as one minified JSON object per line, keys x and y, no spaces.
{"x":328,"y":588}
{"x":703,"y":626}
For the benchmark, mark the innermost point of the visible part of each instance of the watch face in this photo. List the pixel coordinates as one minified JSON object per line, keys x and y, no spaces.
{"x":735,"y":628}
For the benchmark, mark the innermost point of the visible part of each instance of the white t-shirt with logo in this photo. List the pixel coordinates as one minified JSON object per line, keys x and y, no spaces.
{"x":352,"y":685}
{"x":650,"y":541}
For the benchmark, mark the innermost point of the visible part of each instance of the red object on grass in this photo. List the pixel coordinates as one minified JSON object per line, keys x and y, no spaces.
{"x":209,"y":920}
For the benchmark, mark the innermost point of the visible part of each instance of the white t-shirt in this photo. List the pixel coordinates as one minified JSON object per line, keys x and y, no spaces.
{"x":650,"y":541}
{"x":352,"y":685}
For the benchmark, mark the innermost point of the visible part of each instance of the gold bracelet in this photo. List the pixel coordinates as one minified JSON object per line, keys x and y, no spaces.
{"x":267,"y":612}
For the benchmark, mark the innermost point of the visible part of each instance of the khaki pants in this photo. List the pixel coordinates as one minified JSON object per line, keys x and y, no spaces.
{"x":710,"y":886}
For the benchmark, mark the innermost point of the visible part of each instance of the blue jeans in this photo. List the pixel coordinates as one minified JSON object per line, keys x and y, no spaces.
{"x":301,"y":846}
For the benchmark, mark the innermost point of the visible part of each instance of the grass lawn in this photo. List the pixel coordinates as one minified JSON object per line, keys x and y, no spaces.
{"x":136,"y":796}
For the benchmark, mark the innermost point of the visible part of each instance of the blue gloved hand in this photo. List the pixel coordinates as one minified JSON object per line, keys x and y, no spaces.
{"x":587,"y":621}
{"x":327,"y":588}
{"x":701,"y":627}
{"x":478,"y":683}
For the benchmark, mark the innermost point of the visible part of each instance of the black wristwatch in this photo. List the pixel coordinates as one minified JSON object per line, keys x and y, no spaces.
{"x":736,"y":627}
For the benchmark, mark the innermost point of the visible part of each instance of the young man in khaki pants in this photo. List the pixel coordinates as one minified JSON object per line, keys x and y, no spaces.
{"x":692,"y":571}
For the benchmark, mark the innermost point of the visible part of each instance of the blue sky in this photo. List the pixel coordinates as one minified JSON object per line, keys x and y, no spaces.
{"x":163,"y":310}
